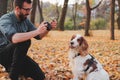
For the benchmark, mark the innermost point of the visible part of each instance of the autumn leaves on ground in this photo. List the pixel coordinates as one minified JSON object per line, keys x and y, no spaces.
{"x":51,"y":53}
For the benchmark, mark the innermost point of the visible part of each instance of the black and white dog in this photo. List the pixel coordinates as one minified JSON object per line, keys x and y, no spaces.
{"x":82,"y":63}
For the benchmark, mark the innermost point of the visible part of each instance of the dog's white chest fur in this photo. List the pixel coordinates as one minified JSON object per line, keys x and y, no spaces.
{"x":75,"y":60}
{"x":77,"y":67}
{"x":83,"y":63}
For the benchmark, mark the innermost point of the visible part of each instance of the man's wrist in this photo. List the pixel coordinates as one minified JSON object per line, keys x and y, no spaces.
{"x":37,"y":32}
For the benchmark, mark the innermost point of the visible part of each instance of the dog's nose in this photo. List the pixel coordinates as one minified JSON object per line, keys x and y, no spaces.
{"x":71,"y":43}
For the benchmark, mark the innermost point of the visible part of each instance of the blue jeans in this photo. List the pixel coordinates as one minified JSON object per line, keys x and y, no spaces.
{"x":14,"y":58}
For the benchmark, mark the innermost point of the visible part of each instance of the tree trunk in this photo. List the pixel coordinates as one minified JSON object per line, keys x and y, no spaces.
{"x":89,"y":9}
{"x":118,"y":19}
{"x":32,"y":17}
{"x":87,"y":25}
{"x":3,"y":7}
{"x":74,"y":15}
{"x":57,"y":13}
{"x":40,"y":10}
{"x":63,"y":15}
{"x":112,"y":19}
{"x":10,"y":5}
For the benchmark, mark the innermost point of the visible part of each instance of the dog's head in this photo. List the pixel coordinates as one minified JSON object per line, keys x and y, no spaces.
{"x":78,"y":42}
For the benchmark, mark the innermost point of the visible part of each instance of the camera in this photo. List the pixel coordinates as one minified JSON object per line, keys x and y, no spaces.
{"x":49,"y":27}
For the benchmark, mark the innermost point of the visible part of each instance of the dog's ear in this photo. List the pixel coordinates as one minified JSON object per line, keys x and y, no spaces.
{"x":73,"y":37}
{"x":83,"y":43}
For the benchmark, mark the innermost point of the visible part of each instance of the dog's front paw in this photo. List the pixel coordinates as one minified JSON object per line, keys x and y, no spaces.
{"x":75,"y":78}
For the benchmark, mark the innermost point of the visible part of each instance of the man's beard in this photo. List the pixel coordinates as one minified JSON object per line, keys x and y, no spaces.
{"x":22,"y":17}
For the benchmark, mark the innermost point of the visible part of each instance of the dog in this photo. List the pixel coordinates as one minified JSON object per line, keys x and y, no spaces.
{"x":82,"y":63}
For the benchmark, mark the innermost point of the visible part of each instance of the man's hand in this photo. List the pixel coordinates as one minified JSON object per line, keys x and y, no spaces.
{"x":42,"y":28}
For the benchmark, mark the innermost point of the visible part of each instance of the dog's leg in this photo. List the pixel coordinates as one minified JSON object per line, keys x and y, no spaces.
{"x":75,"y":77}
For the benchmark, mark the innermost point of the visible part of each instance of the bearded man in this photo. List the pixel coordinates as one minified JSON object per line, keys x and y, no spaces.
{"x":16,"y":32}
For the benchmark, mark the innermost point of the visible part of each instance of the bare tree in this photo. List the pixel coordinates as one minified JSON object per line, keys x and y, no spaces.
{"x":40,"y":3}
{"x":32,"y":17}
{"x":112,"y":19}
{"x":74,"y":14}
{"x":3,"y":7}
{"x":89,"y":9}
{"x":57,"y":12}
{"x":118,"y":19}
{"x":63,"y":15}
{"x":10,"y":5}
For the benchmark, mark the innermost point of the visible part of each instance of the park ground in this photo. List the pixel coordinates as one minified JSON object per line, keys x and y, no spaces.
{"x":51,"y":53}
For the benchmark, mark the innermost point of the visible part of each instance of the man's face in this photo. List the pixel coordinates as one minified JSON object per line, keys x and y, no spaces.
{"x":25,"y":11}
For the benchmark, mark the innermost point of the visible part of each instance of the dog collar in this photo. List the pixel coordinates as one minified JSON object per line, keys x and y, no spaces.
{"x":76,"y":55}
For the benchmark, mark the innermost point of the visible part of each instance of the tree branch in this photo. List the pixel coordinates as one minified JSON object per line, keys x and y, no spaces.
{"x":97,"y":5}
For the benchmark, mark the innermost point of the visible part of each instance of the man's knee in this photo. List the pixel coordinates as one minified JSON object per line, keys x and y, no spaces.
{"x":23,"y":47}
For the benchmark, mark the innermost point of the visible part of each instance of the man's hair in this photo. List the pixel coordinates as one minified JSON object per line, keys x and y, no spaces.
{"x":19,"y":3}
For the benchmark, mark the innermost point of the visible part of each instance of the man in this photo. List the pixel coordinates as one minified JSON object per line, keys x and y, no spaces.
{"x":15,"y":34}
